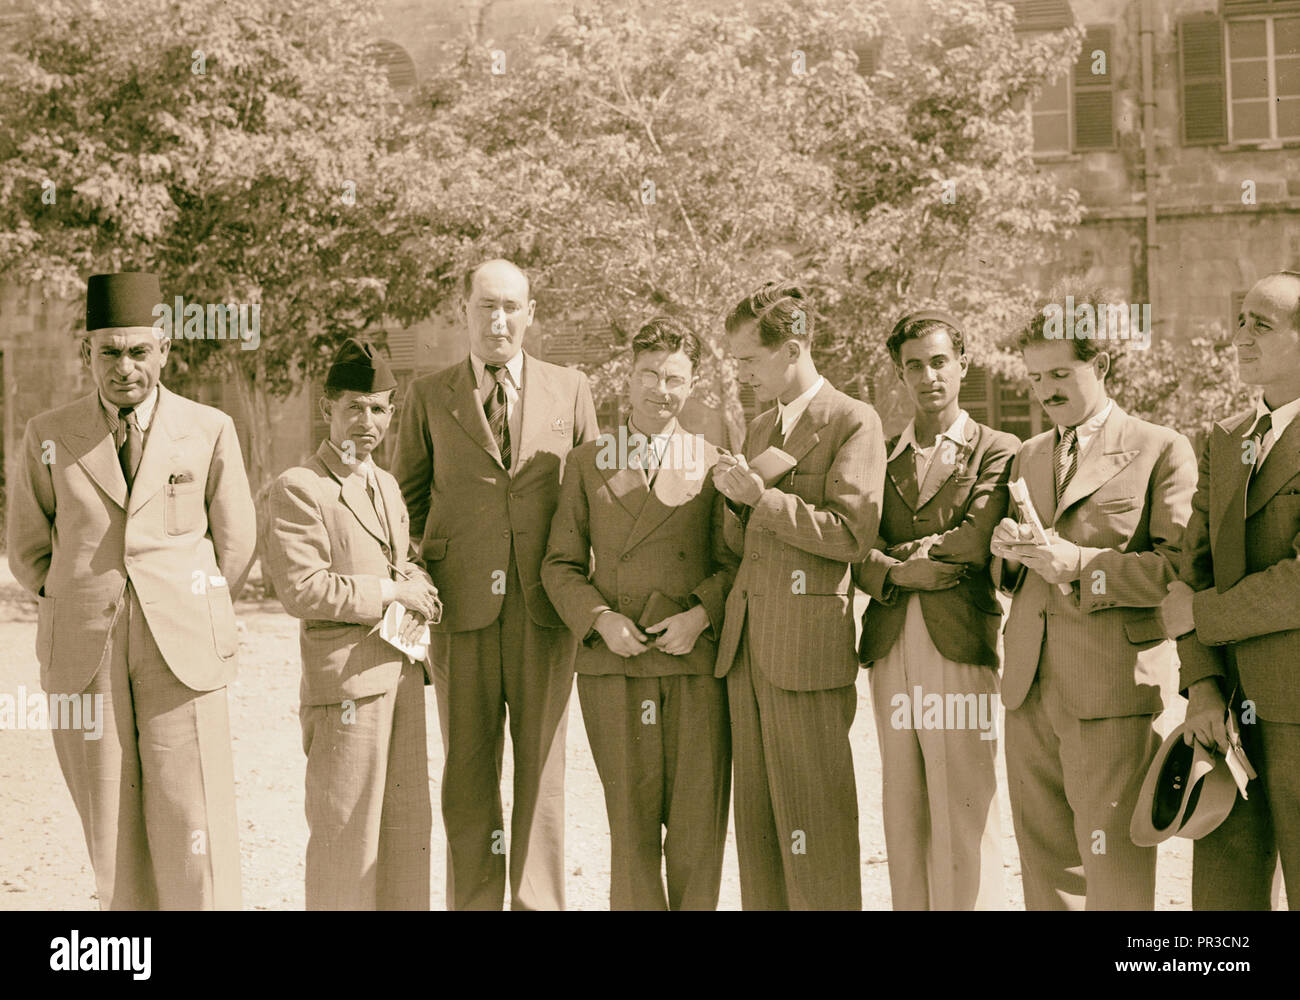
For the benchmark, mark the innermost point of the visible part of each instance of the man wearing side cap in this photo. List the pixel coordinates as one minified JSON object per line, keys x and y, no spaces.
{"x":131,"y":522}
{"x":480,"y":451}
{"x":1236,"y":609}
{"x":337,"y":551}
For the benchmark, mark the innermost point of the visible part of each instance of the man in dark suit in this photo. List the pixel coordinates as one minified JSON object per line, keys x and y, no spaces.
{"x":639,"y":532}
{"x":480,"y":452}
{"x":1084,"y":649}
{"x":132,"y":523}
{"x":787,"y":642}
{"x":930,"y":633}
{"x":337,"y":552}
{"x":1236,"y":609}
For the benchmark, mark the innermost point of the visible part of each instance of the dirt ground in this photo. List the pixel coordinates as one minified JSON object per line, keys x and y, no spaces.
{"x":43,"y":861}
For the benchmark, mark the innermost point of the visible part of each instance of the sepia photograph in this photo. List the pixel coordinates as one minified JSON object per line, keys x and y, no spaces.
{"x":679,"y":455}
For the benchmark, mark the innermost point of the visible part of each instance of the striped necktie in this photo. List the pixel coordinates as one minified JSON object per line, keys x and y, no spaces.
{"x":132,"y":446}
{"x":1066,"y":457}
{"x":496,"y":407}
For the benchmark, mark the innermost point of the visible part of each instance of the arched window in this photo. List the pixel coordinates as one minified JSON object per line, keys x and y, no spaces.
{"x":396,"y":62}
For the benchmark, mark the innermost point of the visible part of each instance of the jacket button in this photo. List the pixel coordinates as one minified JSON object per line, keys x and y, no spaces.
{"x":681,"y":555}
{"x":625,"y":599}
{"x":505,"y":532}
{"x":753,"y":555}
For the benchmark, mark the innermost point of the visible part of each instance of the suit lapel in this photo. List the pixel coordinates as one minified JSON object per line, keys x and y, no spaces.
{"x":677,"y":481}
{"x":1037,"y":472}
{"x":1105,"y":460}
{"x":902,"y":473}
{"x":391,"y":498}
{"x":1278,"y":468}
{"x":162,"y":454}
{"x":807,"y":432}
{"x":541,"y":406}
{"x":627,"y":484}
{"x":941,"y":470}
{"x":90,"y":443}
{"x":761,"y":433}
{"x":466,"y":405}
{"x":352,"y":492}
{"x":1228,"y":475}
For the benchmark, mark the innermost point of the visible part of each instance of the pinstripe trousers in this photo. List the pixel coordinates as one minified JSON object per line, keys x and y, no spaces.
{"x":795,"y":798}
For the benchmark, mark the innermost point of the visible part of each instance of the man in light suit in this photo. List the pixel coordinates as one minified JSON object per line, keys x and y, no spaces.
{"x":639,"y":529}
{"x":132,"y":523}
{"x":1236,"y":609}
{"x":930,"y":631}
{"x":787,"y":643}
{"x":480,"y":452}
{"x":337,"y":552}
{"x":1083,"y":669}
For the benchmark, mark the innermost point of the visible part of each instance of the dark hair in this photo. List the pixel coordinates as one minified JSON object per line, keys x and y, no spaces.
{"x":663,"y":333}
{"x":1295,"y":275}
{"x":782,"y":311}
{"x":1085,"y":349}
{"x":467,"y":279}
{"x":916,"y":325}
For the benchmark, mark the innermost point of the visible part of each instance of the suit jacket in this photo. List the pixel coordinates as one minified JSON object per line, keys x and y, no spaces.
{"x":1126,"y":506}
{"x":614,"y":541}
{"x":1256,"y":616}
{"x":326,"y":555}
{"x":963,"y":504}
{"x":466,"y":509}
{"x":793,"y":587}
{"x":75,"y":538}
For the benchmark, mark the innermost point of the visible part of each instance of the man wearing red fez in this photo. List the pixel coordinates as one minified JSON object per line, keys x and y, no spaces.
{"x":131,"y":521}
{"x":337,"y":552}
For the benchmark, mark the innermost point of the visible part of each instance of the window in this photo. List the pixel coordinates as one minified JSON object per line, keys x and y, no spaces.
{"x":1076,"y":113}
{"x":1263,"y":58}
{"x":1240,"y":77}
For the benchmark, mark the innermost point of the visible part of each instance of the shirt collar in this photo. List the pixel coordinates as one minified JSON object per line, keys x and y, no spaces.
{"x":143,"y":410}
{"x":1089,"y":427}
{"x":515,"y":367}
{"x":788,"y":413}
{"x":955,"y":431}
{"x":659,"y":442}
{"x":358,"y":468}
{"x":1282,"y":415}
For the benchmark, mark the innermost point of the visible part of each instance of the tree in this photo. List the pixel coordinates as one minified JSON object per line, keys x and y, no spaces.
{"x":247,"y":151}
{"x":670,"y":160}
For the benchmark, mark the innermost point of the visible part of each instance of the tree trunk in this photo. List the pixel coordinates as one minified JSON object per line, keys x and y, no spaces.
{"x":256,"y":405}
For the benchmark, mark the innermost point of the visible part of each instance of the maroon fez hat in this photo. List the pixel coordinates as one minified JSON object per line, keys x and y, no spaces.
{"x":359,"y":367}
{"x":121,"y":300}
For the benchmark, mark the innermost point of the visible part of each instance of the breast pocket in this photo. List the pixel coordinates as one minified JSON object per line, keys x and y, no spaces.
{"x":183,"y":509}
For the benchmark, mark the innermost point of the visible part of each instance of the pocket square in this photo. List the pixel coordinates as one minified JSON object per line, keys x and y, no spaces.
{"x":180,"y":477}
{"x":560,"y":426}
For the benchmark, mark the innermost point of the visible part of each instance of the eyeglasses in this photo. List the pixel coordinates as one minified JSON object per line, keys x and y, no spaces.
{"x":651,"y":380}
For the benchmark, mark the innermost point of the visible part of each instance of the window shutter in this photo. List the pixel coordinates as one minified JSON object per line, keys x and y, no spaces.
{"x":1042,"y":15}
{"x":395,"y":62}
{"x":975,"y":397}
{"x":1094,"y":93}
{"x":868,"y":56}
{"x":401,"y":350}
{"x":1200,"y":66}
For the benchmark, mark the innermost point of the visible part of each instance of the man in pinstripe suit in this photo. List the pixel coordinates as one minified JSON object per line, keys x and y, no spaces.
{"x":787,"y":647}
{"x":337,"y":551}
{"x":1085,"y":651}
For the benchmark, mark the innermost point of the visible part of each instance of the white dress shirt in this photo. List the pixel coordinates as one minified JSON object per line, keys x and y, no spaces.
{"x":788,"y":414}
{"x":514,"y":388}
{"x":143,"y":414}
{"x":1087,"y":431}
{"x":954,"y":432}
{"x":1282,"y":417}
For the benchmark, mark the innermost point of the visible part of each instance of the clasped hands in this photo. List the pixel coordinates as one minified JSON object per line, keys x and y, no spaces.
{"x":1058,"y":561}
{"x":917,"y":571}
{"x":674,"y":635}
{"x":420,"y":598}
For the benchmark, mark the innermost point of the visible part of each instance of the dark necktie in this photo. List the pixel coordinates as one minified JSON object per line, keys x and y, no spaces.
{"x":1066,"y":459}
{"x":1230,"y":554}
{"x":778,"y":435}
{"x":497,"y":409}
{"x":129,"y":452}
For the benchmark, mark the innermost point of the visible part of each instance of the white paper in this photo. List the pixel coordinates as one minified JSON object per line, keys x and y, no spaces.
{"x":390,"y":631}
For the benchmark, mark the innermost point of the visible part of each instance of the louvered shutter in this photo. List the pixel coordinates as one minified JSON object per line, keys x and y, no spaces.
{"x":1094,"y":93}
{"x":1200,"y":67}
